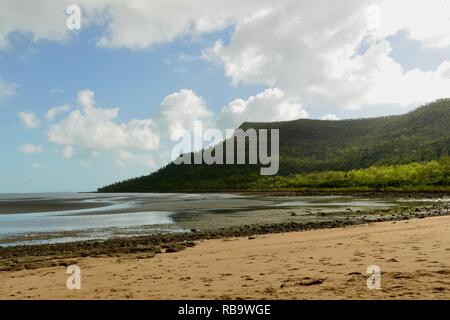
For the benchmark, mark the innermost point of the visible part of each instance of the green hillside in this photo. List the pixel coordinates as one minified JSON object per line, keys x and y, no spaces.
{"x":315,"y":146}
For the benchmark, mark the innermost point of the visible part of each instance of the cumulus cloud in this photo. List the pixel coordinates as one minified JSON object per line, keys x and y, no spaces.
{"x":311,"y":49}
{"x":308,"y":53}
{"x":180,"y":110}
{"x":133,"y":24}
{"x":390,"y":84}
{"x":41,"y":19}
{"x":46,"y":19}
{"x":31,"y":149}
{"x":141,"y":23}
{"x":330,"y":117}
{"x":303,"y":47}
{"x":315,"y":52}
{"x":67,"y":152}
{"x":425,"y":21}
{"x":267,"y":106}
{"x":29,"y":120}
{"x":95,"y":128}
{"x":147,"y":143}
{"x":53,"y":112}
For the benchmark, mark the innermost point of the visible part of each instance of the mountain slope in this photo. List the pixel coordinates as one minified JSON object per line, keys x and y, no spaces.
{"x":316,"y":145}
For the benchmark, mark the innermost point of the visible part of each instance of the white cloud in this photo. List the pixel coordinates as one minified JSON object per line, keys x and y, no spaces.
{"x":311,"y":49}
{"x":31,"y":149}
{"x":42,"y":19}
{"x":7,"y":89}
{"x":94,"y":128}
{"x":267,"y":106}
{"x":180,"y":110}
{"x":46,"y":19}
{"x":330,"y":117}
{"x":141,"y":23}
{"x":390,"y":84}
{"x":309,"y":53}
{"x":426,"y":21}
{"x":67,"y":152}
{"x":53,"y":112}
{"x":29,"y":120}
{"x":132,"y":24}
{"x":147,"y":144}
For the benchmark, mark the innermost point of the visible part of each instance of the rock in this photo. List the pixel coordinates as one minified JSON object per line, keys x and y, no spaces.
{"x":310,"y":281}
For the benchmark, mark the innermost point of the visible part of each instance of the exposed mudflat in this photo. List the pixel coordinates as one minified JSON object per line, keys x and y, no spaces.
{"x":413,"y":256}
{"x":44,"y":255}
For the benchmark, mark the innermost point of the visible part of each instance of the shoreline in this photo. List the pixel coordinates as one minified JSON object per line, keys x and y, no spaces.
{"x":16,"y":258}
{"x":358,"y":192}
{"x":33,"y":205}
{"x":168,"y":213}
{"x":413,"y":255}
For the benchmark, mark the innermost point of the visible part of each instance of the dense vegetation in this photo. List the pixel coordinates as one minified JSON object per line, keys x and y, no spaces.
{"x":413,"y":176}
{"x":332,"y":151}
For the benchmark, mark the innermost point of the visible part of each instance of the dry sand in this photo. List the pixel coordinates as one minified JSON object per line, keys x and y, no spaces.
{"x":414,"y":257}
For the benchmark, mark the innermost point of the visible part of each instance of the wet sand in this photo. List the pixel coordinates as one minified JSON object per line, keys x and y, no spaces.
{"x":106,"y":216}
{"x":414,"y":257}
{"x":29,"y":206}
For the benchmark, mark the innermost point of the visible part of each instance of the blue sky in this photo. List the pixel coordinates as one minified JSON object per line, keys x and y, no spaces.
{"x":49,"y":74}
{"x":258,"y":63}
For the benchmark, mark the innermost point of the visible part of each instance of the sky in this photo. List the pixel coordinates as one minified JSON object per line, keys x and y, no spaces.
{"x":82,"y":108}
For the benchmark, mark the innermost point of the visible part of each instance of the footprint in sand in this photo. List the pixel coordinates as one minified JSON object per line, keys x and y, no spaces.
{"x":355,"y":259}
{"x":226,"y":274}
{"x":307,"y":281}
{"x":443,"y":272}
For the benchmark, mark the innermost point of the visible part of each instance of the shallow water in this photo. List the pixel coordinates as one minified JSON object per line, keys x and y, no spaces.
{"x":57,"y":222}
{"x":38,"y":218}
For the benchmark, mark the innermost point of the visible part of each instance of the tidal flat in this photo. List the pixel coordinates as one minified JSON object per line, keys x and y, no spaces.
{"x":57,"y":218}
{"x":136,"y":227}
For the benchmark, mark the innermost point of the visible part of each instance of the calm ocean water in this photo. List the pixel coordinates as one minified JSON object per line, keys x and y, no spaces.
{"x":59,"y":217}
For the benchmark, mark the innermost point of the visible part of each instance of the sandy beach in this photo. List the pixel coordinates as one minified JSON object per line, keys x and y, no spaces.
{"x":414,"y":257}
